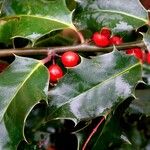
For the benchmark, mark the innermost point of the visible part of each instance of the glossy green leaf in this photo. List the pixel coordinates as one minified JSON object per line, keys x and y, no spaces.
{"x":117,"y":14}
{"x":113,"y":133}
{"x":5,"y":142}
{"x":33,"y":19}
{"x":23,"y":84}
{"x":94,"y":86}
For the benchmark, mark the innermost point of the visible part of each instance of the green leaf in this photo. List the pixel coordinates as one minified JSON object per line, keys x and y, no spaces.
{"x":23,"y":84}
{"x":71,"y":4}
{"x":5,"y":143}
{"x":33,"y":19}
{"x":107,"y":134}
{"x":111,"y":133}
{"x":142,"y":103}
{"x":0,"y":6}
{"x":146,"y":39}
{"x":136,"y":137}
{"x":146,"y":73}
{"x":94,"y":86}
{"x":116,"y":14}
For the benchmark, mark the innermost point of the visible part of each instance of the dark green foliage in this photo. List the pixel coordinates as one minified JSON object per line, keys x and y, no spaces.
{"x":36,"y":115}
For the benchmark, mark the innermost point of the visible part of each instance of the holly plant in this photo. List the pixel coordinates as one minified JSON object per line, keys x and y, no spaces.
{"x":74,"y":75}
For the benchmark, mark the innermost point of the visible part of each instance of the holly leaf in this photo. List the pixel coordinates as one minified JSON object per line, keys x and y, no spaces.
{"x":146,"y":39}
{"x":94,"y":86}
{"x":142,"y":102}
{"x":108,"y":133}
{"x":103,"y":140}
{"x":23,"y":84}
{"x":120,"y":16}
{"x":5,"y":143}
{"x":136,"y":137}
{"x":33,"y":19}
{"x":146,"y":73}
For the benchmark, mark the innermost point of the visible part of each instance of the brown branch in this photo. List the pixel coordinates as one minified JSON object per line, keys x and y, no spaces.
{"x":79,"y":48}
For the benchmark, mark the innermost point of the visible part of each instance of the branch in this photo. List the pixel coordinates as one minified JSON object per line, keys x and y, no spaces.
{"x":93,"y":132}
{"x":79,"y":48}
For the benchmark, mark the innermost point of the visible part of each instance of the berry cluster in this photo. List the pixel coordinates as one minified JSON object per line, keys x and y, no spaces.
{"x":103,"y":38}
{"x":140,"y":54}
{"x":68,"y":59}
{"x":137,"y":52}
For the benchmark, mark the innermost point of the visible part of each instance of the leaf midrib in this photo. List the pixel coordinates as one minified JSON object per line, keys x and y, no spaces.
{"x":119,"y":12}
{"x":114,"y":76}
{"x":40,"y":17}
{"x":124,"y":13}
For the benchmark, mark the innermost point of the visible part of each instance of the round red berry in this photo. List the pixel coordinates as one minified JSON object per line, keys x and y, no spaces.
{"x":100,"y":40}
{"x":137,"y":52}
{"x":55,"y":73}
{"x":70,"y":59}
{"x":116,"y":40}
{"x":106,"y":32}
{"x":148,"y":57}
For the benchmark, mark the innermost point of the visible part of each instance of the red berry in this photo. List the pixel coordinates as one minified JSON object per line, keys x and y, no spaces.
{"x":137,"y":52}
{"x":3,"y":65}
{"x":106,"y":32}
{"x":116,"y":40}
{"x":55,"y":73}
{"x":130,"y":51}
{"x":148,"y":57}
{"x":100,"y":40}
{"x":70,"y":59}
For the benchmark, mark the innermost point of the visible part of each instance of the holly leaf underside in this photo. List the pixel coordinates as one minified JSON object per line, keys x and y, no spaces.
{"x":116,"y":14}
{"x":20,"y":92}
{"x":94,"y":86}
{"x":32,"y":20}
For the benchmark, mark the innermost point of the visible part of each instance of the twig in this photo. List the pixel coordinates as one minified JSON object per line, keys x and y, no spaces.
{"x":79,"y":48}
{"x":93,"y":132}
